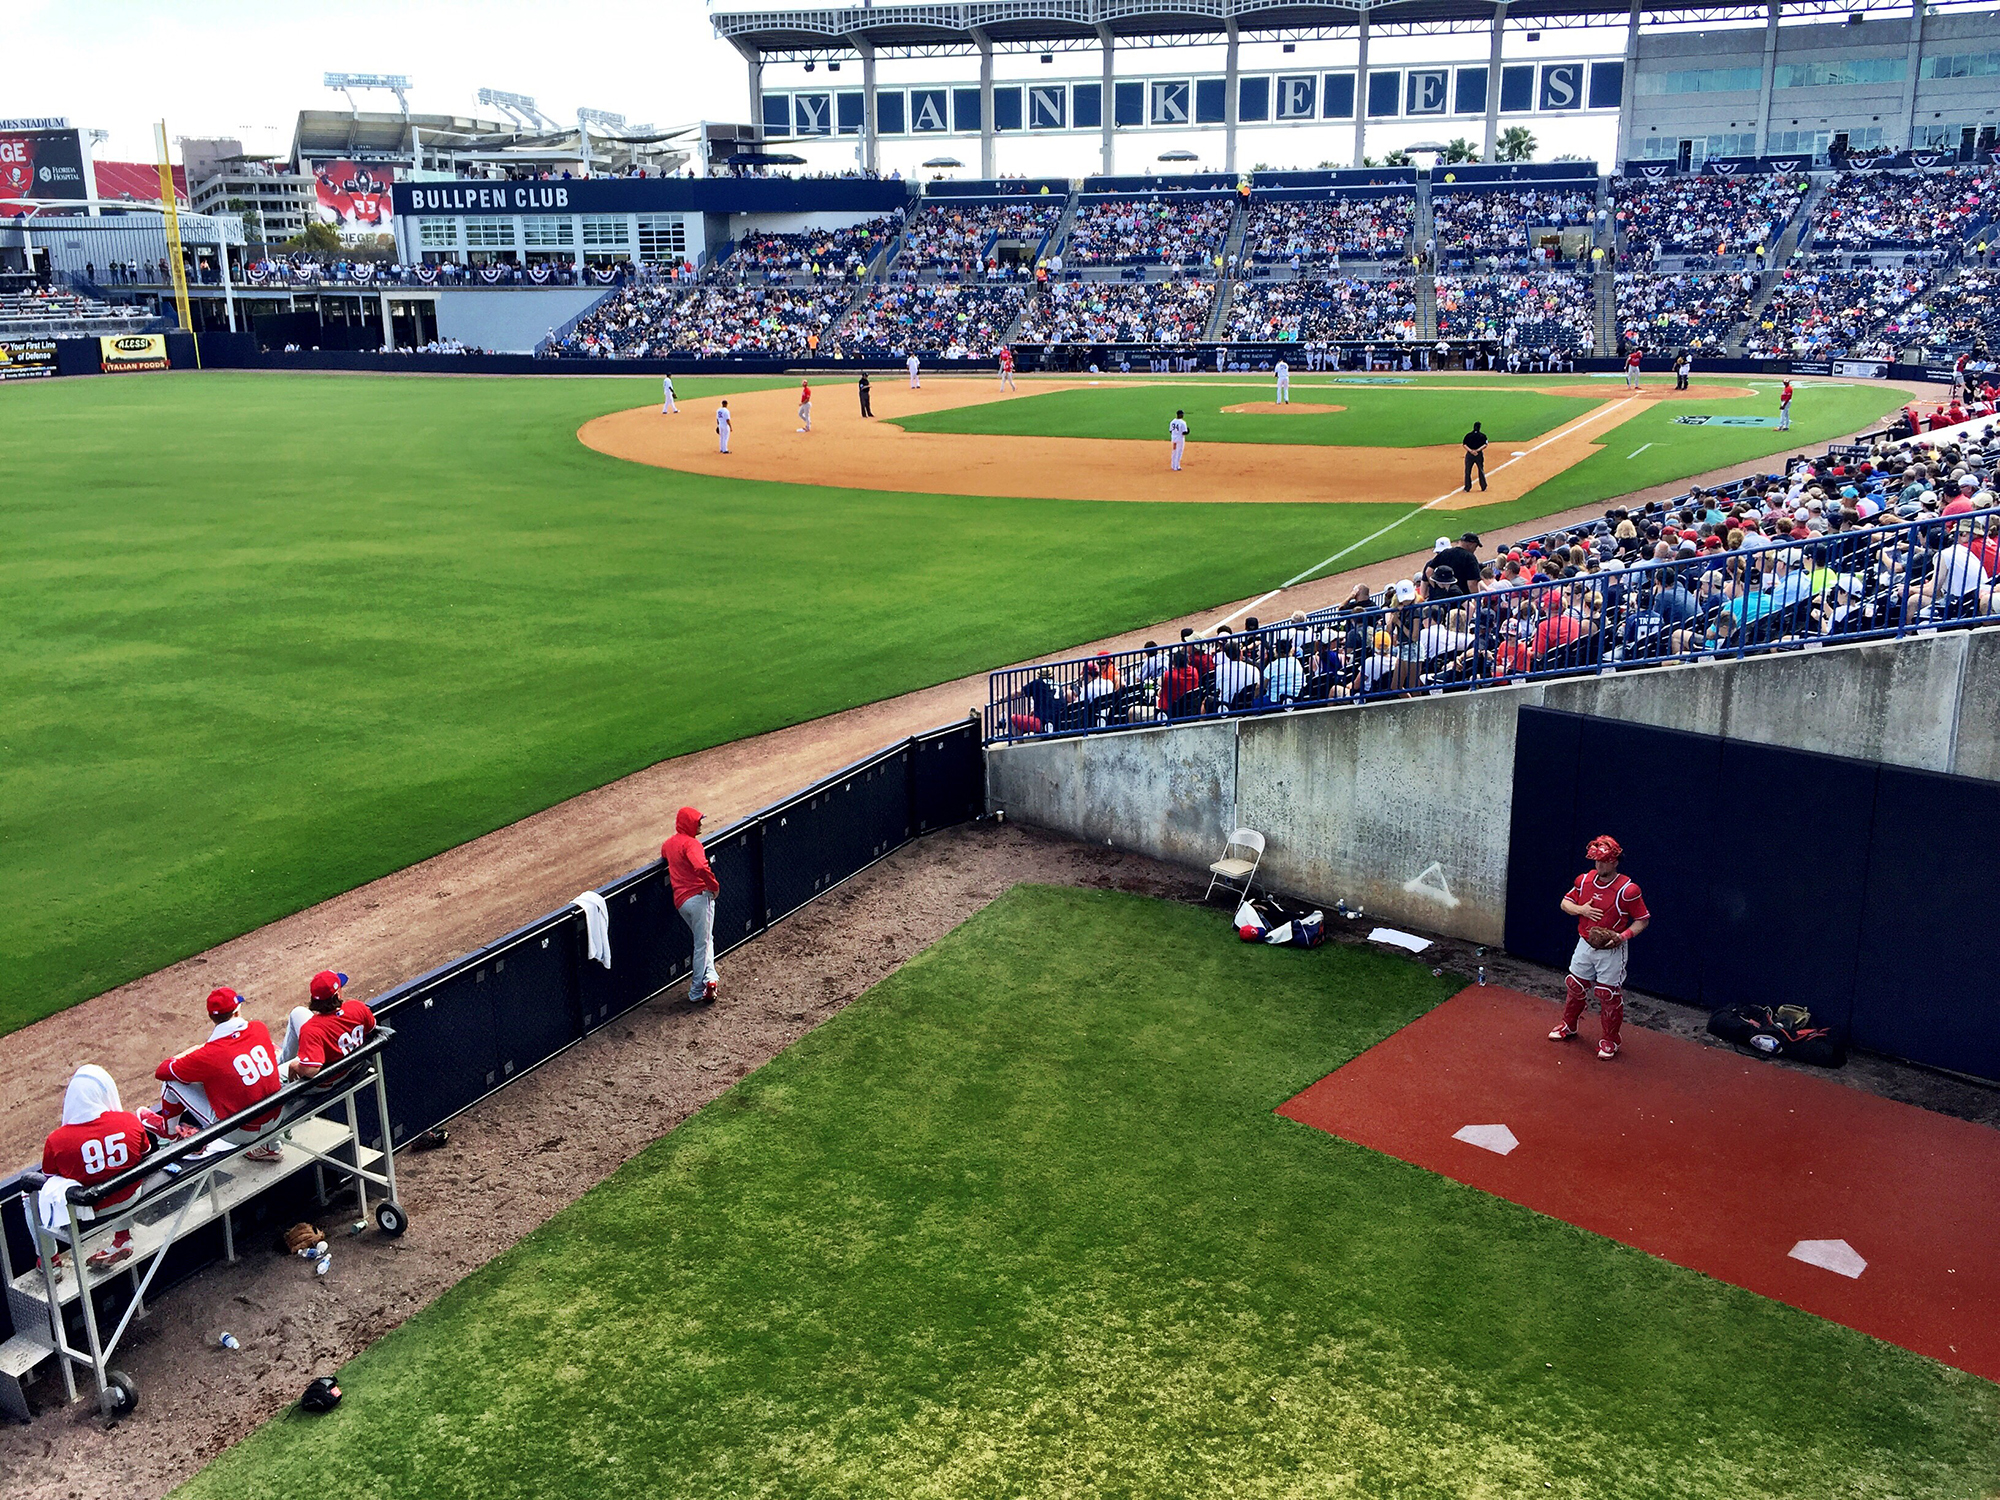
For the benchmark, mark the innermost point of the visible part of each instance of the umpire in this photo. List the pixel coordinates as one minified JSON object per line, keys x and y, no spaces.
{"x":1475,"y":457}
{"x":863,"y":388}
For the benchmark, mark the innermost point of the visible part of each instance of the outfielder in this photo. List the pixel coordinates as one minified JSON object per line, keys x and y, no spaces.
{"x":1177,"y":438}
{"x":911,"y":363}
{"x":1609,"y":913}
{"x":667,"y":395}
{"x":722,"y":421}
{"x":805,"y":406}
{"x":1284,"y":374}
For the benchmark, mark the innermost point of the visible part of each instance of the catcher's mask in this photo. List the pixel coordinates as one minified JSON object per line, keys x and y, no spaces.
{"x":1604,"y":846}
{"x":322,"y":1395}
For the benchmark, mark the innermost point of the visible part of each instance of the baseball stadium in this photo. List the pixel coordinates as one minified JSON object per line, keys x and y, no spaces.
{"x":1107,"y":747}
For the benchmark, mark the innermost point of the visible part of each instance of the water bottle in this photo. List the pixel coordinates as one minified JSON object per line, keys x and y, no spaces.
{"x":1482,"y":974}
{"x":1340,"y":908}
{"x":229,"y":1341}
{"x":323,"y":1265}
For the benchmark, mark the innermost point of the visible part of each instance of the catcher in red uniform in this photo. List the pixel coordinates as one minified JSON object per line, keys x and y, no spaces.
{"x":1609,"y":913}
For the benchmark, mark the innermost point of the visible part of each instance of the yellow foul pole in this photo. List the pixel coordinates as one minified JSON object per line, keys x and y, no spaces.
{"x":174,"y":266}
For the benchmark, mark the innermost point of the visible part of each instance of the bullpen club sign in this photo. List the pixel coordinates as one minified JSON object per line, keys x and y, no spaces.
{"x":26,"y":359}
{"x":123,"y":353}
{"x":41,"y":164}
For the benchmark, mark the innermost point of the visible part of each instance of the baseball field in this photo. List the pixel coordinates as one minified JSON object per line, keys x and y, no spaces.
{"x":267,"y":638}
{"x":1024,"y":1221}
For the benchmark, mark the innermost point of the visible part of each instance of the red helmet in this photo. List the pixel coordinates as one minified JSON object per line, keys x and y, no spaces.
{"x":1604,"y":846}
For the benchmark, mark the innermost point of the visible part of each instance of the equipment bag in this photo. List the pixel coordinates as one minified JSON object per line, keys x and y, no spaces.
{"x":1786,"y":1031}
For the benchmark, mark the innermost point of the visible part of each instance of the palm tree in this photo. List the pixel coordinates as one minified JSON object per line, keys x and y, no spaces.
{"x":1459,"y":149}
{"x":1517,"y":143}
{"x":1396,"y":159}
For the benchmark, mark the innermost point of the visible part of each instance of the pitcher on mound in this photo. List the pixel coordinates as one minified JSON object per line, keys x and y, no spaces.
{"x":1609,"y":913}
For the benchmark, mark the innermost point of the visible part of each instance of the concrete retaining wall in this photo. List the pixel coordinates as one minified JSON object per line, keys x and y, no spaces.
{"x":1358,"y":802}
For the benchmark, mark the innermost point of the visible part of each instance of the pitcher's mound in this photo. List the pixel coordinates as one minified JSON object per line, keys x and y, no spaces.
{"x":1289,"y":408}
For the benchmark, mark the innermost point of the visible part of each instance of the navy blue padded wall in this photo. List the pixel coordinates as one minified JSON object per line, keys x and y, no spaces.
{"x":1542,"y":840}
{"x":1925,"y":984}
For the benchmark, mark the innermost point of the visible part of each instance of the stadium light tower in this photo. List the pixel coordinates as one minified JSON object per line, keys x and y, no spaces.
{"x":585,"y":118}
{"x":520,"y":109}
{"x":396,"y":83}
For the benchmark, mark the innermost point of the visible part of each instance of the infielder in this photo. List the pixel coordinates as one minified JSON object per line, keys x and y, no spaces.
{"x":1006,"y":369}
{"x":1785,"y":407}
{"x":722,"y":421}
{"x":667,"y":395}
{"x":1632,"y":371}
{"x":911,"y":363}
{"x":1177,"y":438}
{"x":1284,"y":374}
{"x":1609,"y":913}
{"x":806,"y":405}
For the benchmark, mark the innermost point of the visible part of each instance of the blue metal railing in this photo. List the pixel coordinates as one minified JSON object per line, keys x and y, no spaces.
{"x":1866,"y":583}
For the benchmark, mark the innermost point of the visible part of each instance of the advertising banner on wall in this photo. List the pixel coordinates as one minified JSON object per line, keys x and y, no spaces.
{"x":42,"y":164}
{"x":27,"y":359}
{"x":123,"y":353}
{"x":353,"y":196}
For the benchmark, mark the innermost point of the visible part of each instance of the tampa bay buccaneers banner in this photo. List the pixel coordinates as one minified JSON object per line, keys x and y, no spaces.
{"x":125,"y":352}
{"x":41,"y":164}
{"x":353,"y":196}
{"x":26,"y":359}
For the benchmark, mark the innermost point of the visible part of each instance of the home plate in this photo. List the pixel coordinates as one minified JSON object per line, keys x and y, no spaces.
{"x":1836,"y":1256}
{"x":1500,"y":1140}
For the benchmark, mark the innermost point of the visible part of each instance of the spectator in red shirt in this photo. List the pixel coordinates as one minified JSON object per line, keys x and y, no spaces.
{"x":694,"y":891}
{"x":328,"y":1030}
{"x":95,"y":1142}
{"x":1180,"y":679}
{"x":229,"y":1072}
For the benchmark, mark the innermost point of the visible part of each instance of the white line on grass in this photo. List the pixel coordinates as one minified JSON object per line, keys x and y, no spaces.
{"x":1637,"y":451}
{"x":1417,"y":511}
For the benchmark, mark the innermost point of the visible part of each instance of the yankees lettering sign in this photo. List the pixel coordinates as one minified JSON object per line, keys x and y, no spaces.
{"x":41,"y":164}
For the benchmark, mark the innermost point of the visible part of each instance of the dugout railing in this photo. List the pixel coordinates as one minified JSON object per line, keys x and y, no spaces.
{"x":1875,"y":582}
{"x":480,"y":1022}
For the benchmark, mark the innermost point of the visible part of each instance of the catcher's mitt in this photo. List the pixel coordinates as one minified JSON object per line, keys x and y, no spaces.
{"x":1602,"y":937}
{"x":301,"y":1236}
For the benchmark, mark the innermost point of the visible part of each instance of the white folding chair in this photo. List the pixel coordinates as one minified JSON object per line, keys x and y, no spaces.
{"x":1233,"y":866}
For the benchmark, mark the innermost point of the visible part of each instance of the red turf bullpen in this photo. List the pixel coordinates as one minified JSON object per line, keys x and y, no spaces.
{"x":1702,"y":1157}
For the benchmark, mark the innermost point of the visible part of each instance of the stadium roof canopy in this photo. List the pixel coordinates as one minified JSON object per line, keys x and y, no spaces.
{"x":919,"y":30}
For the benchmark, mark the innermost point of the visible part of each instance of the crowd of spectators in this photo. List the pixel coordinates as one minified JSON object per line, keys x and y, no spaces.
{"x":1830,"y":313}
{"x":1898,"y":537}
{"x":1099,"y":312}
{"x":1556,"y":310}
{"x":706,"y":322}
{"x":942,"y":320}
{"x":1923,"y":210}
{"x":1960,"y":316}
{"x":1330,"y":308}
{"x":1148,"y":231}
{"x":48,"y":304}
{"x":1313,"y":231}
{"x":1706,"y":215}
{"x":1473,"y":226}
{"x":1696,"y":312}
{"x":813,"y":252}
{"x":948,"y":236}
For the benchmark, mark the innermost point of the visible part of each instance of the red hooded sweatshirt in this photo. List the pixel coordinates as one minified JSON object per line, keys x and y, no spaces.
{"x":687,"y":862}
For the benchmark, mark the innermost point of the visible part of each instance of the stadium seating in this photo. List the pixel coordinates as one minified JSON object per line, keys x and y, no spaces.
{"x":1961,"y":315}
{"x":1556,"y":311}
{"x":1312,"y":231}
{"x":817,"y":252}
{"x":939,"y":320}
{"x":952,"y":236}
{"x":1828,"y":314}
{"x":1091,"y":312}
{"x":1657,"y":311}
{"x":1705,"y":215}
{"x":1473,"y":226}
{"x":47,"y":311}
{"x":1904,"y":210}
{"x":1147,"y":231}
{"x":706,"y":321}
{"x":1316,"y":309}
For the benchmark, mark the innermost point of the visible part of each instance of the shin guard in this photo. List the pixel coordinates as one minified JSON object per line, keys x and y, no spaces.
{"x":1579,"y":998}
{"x":1611,"y":1011}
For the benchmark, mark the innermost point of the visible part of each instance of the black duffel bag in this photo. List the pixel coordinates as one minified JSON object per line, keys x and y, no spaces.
{"x":1779,"y":1031}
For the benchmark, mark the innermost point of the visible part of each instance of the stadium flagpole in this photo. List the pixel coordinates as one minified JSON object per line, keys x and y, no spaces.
{"x":173,"y":224}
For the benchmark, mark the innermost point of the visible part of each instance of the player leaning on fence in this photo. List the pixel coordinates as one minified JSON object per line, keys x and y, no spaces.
{"x":1609,"y":913}
{"x":694,"y":891}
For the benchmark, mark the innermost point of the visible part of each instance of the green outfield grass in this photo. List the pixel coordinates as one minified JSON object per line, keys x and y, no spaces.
{"x":1411,"y":416}
{"x":264,"y":638}
{"x":1021,"y":1222}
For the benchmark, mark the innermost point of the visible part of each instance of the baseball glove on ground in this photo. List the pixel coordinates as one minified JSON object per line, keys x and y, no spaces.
{"x":1601,"y":937}
{"x":301,"y":1237}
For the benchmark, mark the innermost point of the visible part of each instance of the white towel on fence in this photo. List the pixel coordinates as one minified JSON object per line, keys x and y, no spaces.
{"x":53,"y":1204}
{"x":597,"y":919}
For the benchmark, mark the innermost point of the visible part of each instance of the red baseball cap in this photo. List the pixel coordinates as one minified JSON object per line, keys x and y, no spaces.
{"x":326,"y":984}
{"x":222,"y":1003}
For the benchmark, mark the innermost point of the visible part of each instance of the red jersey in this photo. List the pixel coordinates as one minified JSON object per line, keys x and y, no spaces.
{"x":99,"y":1150}
{"x":1614,"y":903}
{"x":325,"y":1040}
{"x":1632,"y":359}
{"x":237,"y":1065}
